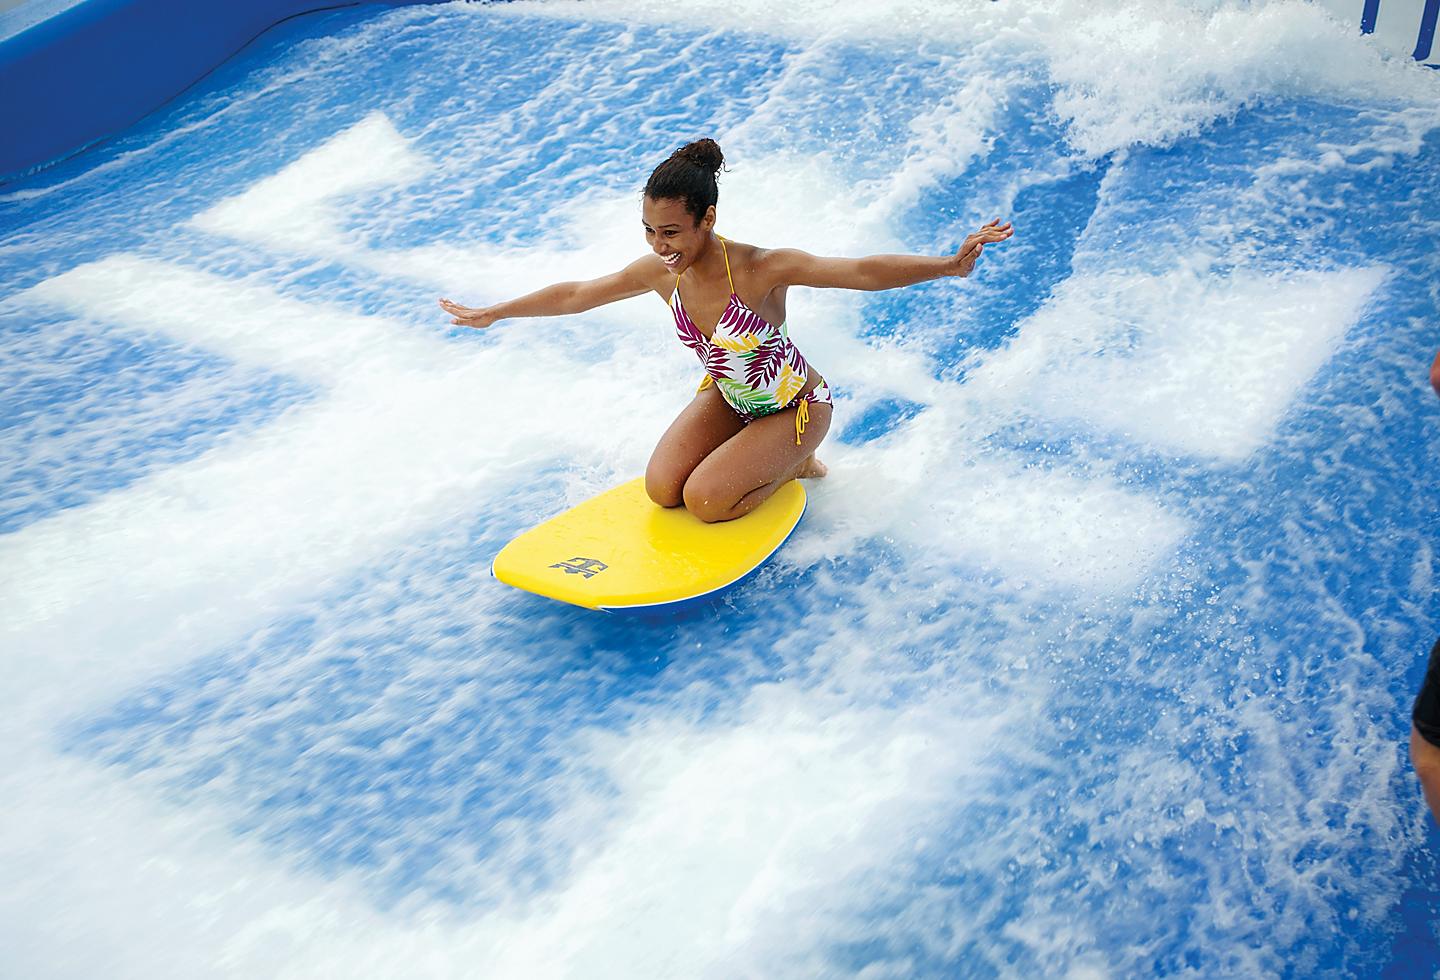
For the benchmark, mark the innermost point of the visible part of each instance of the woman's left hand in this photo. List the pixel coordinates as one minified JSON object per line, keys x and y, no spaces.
{"x":974,"y":245}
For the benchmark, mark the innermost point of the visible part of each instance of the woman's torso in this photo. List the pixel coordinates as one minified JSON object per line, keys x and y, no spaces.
{"x":756,"y":366}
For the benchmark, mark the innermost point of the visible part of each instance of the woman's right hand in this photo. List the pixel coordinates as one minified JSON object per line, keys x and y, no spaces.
{"x":466,"y":316}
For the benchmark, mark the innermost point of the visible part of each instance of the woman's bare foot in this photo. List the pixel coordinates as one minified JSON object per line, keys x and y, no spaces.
{"x":812,"y":469}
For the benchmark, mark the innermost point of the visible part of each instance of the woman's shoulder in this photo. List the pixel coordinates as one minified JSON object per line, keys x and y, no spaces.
{"x":743,"y":253}
{"x":652,"y":271}
{"x":773,"y":266}
{"x":755,"y":260}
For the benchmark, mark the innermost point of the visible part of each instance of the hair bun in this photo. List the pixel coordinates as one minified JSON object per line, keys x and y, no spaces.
{"x":690,"y":174}
{"x":705,"y":152}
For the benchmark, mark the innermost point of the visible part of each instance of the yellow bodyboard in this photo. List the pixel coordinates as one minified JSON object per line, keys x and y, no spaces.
{"x":621,"y":551}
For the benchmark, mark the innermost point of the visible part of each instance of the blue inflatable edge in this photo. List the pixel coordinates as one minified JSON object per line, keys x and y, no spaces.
{"x":97,"y":67}
{"x":682,"y":605}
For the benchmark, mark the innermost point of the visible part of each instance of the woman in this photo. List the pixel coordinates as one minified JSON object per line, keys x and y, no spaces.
{"x":1425,"y":715}
{"x":761,"y":412}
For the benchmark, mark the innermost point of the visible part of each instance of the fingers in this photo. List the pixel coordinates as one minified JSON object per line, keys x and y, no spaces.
{"x":973,"y":242}
{"x":990,"y":233}
{"x":464,"y":315}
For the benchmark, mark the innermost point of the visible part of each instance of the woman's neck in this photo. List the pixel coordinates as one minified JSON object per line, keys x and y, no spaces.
{"x":709,"y":265}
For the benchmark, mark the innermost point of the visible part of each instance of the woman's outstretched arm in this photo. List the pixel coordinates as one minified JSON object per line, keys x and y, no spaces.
{"x":791,"y":267}
{"x":563,"y":297}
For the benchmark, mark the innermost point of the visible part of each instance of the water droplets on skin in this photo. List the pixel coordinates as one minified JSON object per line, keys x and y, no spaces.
{"x":1050,"y":681}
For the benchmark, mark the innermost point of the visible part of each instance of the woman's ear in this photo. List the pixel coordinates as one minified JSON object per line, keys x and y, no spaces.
{"x":708,"y":221}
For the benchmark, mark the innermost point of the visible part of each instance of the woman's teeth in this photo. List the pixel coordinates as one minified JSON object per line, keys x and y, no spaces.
{"x":671,"y":260}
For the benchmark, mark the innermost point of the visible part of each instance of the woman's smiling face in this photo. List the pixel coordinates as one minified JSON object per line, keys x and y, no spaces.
{"x":673,"y":232}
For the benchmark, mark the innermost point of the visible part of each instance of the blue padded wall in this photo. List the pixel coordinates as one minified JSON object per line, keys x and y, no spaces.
{"x":99,"y":66}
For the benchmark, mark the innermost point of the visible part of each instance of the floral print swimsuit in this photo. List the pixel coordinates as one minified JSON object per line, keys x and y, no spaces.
{"x":756,"y":366}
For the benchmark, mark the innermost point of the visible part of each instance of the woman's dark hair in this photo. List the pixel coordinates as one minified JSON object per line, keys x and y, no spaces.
{"x":690,"y":174}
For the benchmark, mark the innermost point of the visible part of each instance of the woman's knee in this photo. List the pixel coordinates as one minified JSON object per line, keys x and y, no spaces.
{"x":706,"y":502}
{"x":665,"y":486}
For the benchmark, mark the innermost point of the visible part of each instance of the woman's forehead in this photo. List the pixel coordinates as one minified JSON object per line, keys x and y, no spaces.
{"x":668,"y":210}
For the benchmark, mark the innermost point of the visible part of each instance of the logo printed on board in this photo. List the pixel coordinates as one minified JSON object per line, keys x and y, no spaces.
{"x":589,"y":567}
